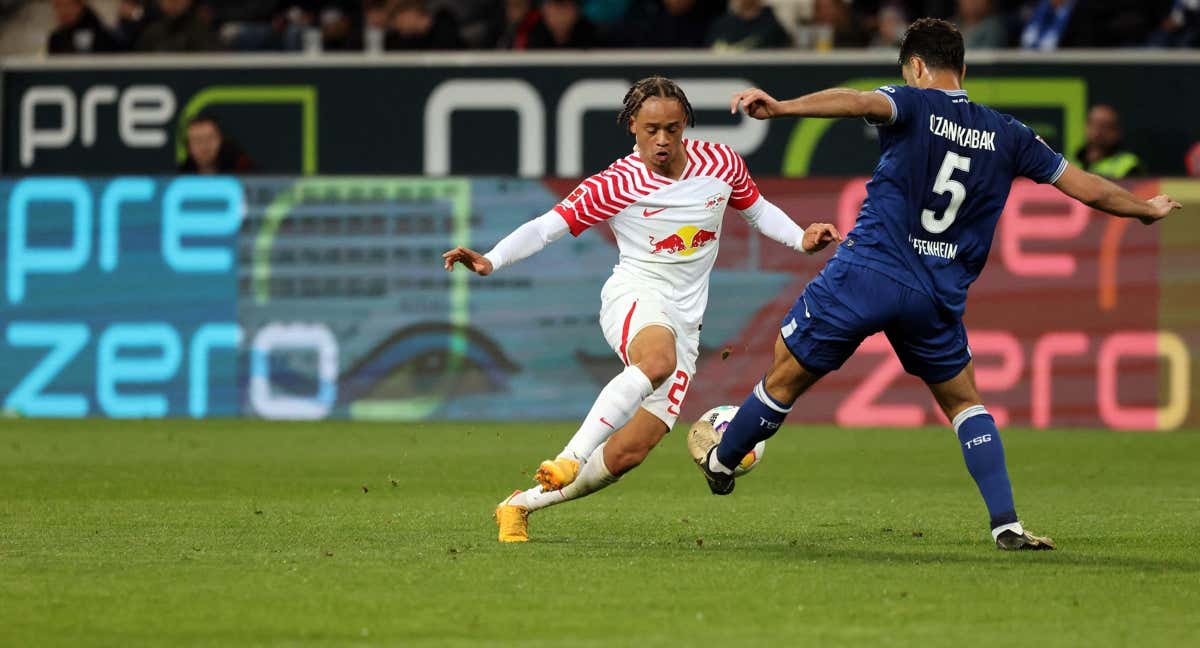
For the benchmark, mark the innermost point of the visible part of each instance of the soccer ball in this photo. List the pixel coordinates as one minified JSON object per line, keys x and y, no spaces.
{"x":720,"y":417}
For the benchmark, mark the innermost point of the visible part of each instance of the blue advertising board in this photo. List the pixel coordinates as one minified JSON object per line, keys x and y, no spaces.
{"x":120,"y":296}
{"x":303,"y":298}
{"x":325,"y":297}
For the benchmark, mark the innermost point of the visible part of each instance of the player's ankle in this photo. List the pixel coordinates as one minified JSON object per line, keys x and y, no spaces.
{"x":715,"y":465}
{"x":570,"y":454}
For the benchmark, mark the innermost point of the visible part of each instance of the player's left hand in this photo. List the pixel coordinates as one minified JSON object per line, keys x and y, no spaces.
{"x":819,"y":235}
{"x":1161,"y":206}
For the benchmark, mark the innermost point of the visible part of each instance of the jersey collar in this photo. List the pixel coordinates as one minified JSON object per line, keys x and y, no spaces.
{"x":687,"y":167}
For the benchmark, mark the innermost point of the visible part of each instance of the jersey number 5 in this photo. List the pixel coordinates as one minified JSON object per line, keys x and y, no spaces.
{"x":945,"y":184}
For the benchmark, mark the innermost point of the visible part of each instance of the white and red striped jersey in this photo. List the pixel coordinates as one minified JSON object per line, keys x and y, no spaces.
{"x":667,"y":230}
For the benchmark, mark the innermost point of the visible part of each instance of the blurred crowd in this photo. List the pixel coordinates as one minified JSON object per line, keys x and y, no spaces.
{"x":408,"y":25}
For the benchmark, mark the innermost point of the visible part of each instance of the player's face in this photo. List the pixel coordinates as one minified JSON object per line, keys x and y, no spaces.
{"x":658,"y":129}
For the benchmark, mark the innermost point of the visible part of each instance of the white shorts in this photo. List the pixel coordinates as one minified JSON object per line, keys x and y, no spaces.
{"x":626,"y":311}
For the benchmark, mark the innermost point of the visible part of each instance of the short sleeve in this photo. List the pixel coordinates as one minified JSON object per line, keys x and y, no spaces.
{"x":903,"y":100}
{"x":744,"y":192}
{"x":1034,"y":158}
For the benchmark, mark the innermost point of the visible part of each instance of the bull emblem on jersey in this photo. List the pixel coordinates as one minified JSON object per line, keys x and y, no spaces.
{"x":714,"y":201}
{"x":671,"y":244}
{"x":685,"y":242}
{"x":703,"y":237}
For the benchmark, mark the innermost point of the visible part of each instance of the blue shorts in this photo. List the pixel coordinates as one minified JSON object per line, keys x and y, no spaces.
{"x":847,"y":302}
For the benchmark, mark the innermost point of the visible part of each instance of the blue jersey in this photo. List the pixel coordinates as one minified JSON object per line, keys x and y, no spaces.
{"x":939,"y":189}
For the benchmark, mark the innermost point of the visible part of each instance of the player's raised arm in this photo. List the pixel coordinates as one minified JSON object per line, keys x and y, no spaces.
{"x":1099,"y":193}
{"x":834,"y":102}
{"x":523,"y":242}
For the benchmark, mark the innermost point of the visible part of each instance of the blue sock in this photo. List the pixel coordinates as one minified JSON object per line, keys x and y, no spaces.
{"x":984,"y":455}
{"x":758,"y":419}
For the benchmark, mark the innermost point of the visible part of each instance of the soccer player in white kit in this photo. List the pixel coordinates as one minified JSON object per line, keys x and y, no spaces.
{"x":665,"y":203}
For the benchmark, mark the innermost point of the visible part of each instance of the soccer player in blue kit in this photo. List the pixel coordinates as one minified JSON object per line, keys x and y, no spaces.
{"x":921,"y":239}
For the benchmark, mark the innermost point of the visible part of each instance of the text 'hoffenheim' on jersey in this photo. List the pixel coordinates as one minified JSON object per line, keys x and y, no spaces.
{"x":940,"y":186}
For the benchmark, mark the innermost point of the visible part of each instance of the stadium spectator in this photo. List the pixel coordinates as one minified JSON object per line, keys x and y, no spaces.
{"x":791,"y":14}
{"x":79,"y":30}
{"x":414,"y":26}
{"x":210,"y":152}
{"x":1046,"y":26}
{"x":674,"y":23}
{"x":749,"y":24}
{"x":340,"y":25}
{"x":247,"y":25}
{"x":1075,"y":23}
{"x":1181,"y":27}
{"x":981,"y":26}
{"x":180,"y":29}
{"x":606,"y":13}
{"x":132,"y":18}
{"x":834,"y":25}
{"x":891,"y":23}
{"x":375,"y":24}
{"x":563,"y":26}
{"x":1103,"y":153}
{"x":313,"y":25}
{"x":520,"y":17}
{"x":480,"y":22}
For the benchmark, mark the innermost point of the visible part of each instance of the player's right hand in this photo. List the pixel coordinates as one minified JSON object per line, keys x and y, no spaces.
{"x":756,"y":103}
{"x":1160,"y":206}
{"x":474,"y":261}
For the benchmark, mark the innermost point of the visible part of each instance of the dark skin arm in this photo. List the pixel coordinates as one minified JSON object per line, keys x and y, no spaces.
{"x":1088,"y":188}
{"x":834,"y":102}
{"x":1099,"y":193}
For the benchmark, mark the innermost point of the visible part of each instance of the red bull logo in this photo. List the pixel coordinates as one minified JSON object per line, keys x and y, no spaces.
{"x":685,"y":242}
{"x":714,"y":201}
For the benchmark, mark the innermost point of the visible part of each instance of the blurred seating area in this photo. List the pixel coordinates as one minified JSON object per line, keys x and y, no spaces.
{"x":107,"y":26}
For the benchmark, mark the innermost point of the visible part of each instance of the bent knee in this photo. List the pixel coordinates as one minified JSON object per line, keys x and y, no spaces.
{"x":658,"y":367}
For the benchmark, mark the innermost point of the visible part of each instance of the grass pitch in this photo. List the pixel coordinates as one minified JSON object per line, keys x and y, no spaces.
{"x":248,"y":533}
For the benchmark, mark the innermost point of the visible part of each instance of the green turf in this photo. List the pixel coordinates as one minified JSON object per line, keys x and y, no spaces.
{"x":248,"y":533}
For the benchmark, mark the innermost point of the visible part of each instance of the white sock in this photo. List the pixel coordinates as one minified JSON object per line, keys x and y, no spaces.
{"x":615,"y":405}
{"x":592,"y":477}
{"x":717,"y":466}
{"x":1015,"y":527}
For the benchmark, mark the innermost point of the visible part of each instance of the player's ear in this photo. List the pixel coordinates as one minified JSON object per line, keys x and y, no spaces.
{"x":963,"y":73}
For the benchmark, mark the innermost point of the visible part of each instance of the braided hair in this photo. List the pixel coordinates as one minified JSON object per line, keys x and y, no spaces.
{"x":653,"y":86}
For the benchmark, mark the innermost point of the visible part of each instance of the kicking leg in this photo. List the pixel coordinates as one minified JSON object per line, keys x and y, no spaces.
{"x":758,"y":419}
{"x":652,"y":360}
{"x":611,"y":459}
{"x":620,"y":454}
{"x":984,"y":455}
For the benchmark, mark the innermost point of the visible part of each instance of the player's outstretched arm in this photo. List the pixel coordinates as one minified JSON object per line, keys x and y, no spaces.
{"x":522,"y":243}
{"x":770,"y":220}
{"x":834,"y":102}
{"x":1099,"y":193}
